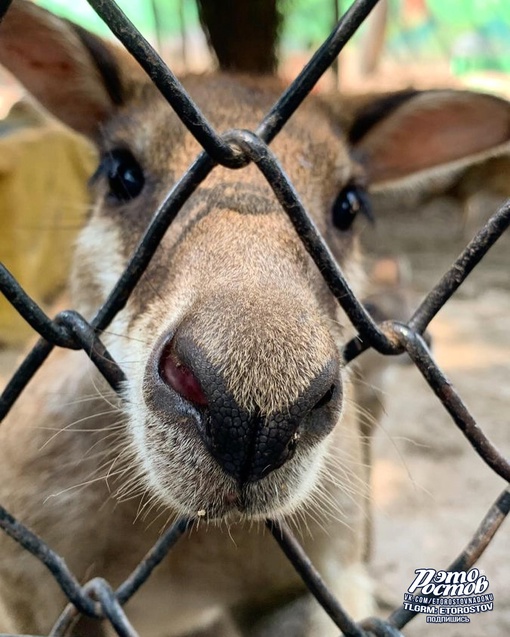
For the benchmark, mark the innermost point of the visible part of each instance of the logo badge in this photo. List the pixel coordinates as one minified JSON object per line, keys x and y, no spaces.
{"x":448,"y":596}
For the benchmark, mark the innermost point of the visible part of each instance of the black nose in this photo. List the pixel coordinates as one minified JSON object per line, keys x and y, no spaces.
{"x":248,"y":444}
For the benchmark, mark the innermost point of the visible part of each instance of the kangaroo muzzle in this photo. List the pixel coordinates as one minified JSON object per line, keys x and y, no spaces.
{"x":247,"y":443}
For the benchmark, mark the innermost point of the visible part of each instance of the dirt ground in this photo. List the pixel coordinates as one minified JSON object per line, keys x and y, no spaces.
{"x":431,"y":489}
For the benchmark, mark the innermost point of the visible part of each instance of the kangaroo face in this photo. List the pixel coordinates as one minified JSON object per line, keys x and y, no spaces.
{"x":231,"y":342}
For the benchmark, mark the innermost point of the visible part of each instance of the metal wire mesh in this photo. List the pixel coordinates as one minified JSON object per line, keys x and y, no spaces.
{"x":234,"y":150}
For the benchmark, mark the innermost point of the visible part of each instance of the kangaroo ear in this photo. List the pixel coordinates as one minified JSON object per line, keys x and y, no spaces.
{"x":415,"y":133}
{"x":77,"y":76}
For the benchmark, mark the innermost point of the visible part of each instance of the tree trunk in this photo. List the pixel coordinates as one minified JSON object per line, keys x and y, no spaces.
{"x":242,"y":33}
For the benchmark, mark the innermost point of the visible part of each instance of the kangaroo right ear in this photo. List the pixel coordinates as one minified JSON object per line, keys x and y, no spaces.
{"x":76,"y":75}
{"x":419,"y":134}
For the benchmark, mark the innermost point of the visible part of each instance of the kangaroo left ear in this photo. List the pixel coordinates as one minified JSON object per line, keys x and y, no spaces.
{"x":398,"y":135}
{"x":78,"y":77}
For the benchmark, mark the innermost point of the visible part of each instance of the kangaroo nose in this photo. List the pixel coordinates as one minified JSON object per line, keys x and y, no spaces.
{"x":246,"y":443}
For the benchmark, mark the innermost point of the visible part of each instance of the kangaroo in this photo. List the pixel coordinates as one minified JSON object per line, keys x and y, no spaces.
{"x":237,"y":405}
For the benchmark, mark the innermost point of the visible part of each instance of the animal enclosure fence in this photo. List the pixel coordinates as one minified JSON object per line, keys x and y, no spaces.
{"x":236,"y":149}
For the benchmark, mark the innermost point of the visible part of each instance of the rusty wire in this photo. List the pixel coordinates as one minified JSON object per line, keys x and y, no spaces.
{"x":234,"y":150}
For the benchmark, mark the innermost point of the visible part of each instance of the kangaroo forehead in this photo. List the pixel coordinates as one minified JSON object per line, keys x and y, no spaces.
{"x":227,"y":101}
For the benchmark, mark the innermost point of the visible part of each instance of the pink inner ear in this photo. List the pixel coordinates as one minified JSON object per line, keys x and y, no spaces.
{"x":47,"y":55}
{"x":433,"y":129}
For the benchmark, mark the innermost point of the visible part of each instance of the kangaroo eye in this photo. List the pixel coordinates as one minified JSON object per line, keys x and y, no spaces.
{"x":125,"y":175}
{"x":351,"y":201}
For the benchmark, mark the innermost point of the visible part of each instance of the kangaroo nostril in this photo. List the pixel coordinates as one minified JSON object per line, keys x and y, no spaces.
{"x":180,"y":377}
{"x":326,"y":398}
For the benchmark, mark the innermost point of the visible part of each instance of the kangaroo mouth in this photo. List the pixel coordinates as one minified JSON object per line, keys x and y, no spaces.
{"x":230,"y":505}
{"x":279,"y":493}
{"x":238,"y":512}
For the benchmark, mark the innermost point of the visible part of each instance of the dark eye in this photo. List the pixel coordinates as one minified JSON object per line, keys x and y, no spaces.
{"x":124,"y":174}
{"x":351,"y":201}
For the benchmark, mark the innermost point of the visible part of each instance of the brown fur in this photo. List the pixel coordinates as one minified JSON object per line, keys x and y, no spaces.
{"x":98,"y":477}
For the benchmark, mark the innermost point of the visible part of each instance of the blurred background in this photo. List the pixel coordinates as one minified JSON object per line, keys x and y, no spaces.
{"x":419,"y":42}
{"x":467,"y":40}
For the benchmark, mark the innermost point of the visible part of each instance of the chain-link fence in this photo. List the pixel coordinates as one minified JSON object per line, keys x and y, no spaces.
{"x":235,"y":150}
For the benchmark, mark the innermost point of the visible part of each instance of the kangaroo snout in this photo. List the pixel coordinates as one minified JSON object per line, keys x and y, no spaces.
{"x":241,"y":367}
{"x":247,"y":443}
{"x":213,"y":388}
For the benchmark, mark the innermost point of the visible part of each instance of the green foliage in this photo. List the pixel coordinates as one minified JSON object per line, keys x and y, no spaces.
{"x":140,"y":12}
